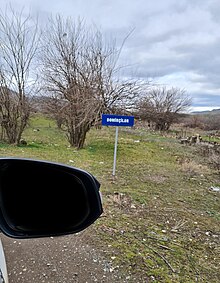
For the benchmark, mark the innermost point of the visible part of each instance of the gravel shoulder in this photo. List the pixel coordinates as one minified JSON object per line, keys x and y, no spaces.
{"x":62,"y":259}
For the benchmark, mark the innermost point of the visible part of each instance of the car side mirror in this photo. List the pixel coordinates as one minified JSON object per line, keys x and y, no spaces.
{"x":41,"y":199}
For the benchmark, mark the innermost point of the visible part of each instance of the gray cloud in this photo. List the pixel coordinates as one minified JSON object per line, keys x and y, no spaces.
{"x":177,"y":41}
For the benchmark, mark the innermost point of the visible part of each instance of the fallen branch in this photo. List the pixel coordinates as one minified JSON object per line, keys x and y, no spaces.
{"x":166,"y":248}
{"x":164,"y":259}
{"x":161,"y":256}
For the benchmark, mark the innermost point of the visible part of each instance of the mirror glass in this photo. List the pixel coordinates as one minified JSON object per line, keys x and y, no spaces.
{"x":39,"y":198}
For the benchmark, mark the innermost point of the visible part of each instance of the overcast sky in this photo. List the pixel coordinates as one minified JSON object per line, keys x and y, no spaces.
{"x":176,"y":43}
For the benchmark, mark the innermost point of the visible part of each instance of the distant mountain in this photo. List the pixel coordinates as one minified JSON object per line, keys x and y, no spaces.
{"x":208,"y":112}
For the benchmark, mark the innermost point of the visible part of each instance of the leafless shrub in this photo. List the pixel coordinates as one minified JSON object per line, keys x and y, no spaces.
{"x":211,"y":122}
{"x":192,"y":168}
{"x":160,"y":106}
{"x":204,"y":150}
{"x":202,"y":121}
{"x":211,"y":153}
{"x":214,"y":158}
{"x":18,"y":46}
{"x":194,"y":121}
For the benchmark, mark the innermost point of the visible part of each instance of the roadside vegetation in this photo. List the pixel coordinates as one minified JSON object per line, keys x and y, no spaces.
{"x":161,"y":218}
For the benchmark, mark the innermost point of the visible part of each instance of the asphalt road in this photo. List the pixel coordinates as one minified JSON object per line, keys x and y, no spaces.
{"x":64,"y":259}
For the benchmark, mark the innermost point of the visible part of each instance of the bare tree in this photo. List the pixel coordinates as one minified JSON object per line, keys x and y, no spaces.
{"x":194,"y":121}
{"x":18,"y":46}
{"x":80,"y":75}
{"x":161,"y":106}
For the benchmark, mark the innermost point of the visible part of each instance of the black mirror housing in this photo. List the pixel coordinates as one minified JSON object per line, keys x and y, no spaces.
{"x":41,"y":198}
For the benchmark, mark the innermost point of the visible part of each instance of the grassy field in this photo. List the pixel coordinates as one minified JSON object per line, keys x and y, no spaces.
{"x":161,"y":220}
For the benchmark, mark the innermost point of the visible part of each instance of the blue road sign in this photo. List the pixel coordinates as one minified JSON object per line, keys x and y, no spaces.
{"x":117,"y":120}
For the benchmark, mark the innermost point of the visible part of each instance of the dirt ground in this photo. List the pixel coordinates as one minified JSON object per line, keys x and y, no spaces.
{"x":64,"y":259}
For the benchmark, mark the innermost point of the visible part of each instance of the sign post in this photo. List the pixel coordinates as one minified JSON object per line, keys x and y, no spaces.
{"x":115,"y":151}
{"x":117,"y":121}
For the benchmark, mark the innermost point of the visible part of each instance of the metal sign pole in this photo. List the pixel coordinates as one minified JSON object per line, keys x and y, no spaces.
{"x":117,"y":121}
{"x":115,"y":151}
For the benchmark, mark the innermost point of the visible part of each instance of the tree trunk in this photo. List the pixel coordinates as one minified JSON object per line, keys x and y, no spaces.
{"x":77,"y":136}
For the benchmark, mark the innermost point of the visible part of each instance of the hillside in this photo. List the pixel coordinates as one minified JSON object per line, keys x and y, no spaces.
{"x":211,"y":112}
